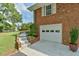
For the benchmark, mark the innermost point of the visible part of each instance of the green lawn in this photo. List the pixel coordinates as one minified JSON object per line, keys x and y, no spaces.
{"x":7,"y":42}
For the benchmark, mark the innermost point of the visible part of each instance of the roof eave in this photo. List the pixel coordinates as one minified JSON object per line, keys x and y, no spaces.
{"x":36,"y":6}
{"x":31,"y":8}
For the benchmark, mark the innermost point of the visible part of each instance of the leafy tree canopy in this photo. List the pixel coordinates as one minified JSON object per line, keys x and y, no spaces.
{"x":9,"y":12}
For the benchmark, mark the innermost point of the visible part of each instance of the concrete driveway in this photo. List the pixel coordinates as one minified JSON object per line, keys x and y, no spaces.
{"x":53,"y":48}
{"x":46,"y":48}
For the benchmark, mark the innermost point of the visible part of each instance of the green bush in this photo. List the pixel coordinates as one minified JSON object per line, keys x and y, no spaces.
{"x":74,"y":35}
{"x":33,"y":29}
{"x":31,"y":34}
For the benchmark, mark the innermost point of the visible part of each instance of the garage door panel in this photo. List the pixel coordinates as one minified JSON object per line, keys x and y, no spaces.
{"x":51,"y":32}
{"x":50,"y":37}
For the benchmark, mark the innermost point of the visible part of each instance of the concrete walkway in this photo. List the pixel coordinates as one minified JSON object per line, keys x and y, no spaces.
{"x":31,"y":52}
{"x":19,"y":54}
{"x":23,"y":38}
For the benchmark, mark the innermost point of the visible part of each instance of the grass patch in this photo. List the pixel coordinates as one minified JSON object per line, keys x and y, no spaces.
{"x":7,"y":42}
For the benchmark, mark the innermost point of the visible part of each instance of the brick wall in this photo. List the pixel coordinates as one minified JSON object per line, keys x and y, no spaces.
{"x":67,"y":14}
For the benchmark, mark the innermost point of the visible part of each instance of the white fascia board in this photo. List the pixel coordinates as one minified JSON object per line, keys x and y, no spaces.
{"x":36,"y":6}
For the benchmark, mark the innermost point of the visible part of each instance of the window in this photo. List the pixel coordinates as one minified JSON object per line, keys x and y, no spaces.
{"x":47,"y":30}
{"x":43,"y":30}
{"x":51,"y":30}
{"x":48,"y":10}
{"x":57,"y":31}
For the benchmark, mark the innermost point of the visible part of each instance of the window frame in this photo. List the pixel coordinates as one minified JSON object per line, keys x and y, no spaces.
{"x":49,"y":9}
{"x":44,"y":10}
{"x":53,"y":9}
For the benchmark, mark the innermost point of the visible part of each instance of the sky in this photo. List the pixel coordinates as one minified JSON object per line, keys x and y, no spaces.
{"x":27,"y":16}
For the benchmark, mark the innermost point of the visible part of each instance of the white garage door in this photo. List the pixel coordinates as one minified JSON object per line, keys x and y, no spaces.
{"x":51,"y":32}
